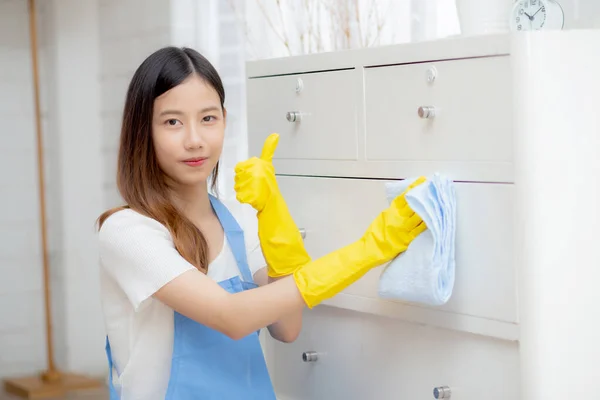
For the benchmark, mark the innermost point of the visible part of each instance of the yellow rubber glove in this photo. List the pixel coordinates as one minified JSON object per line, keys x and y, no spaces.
{"x":280,"y":238}
{"x":387,"y":236}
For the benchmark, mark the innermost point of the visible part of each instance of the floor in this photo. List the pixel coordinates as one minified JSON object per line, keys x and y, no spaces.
{"x":83,"y":395}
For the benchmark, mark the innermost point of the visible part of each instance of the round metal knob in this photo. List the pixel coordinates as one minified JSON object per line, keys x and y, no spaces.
{"x":442,"y":392}
{"x":431,"y":74}
{"x":310,"y":356}
{"x":292,"y":116}
{"x":299,"y":85}
{"x":426,"y":112}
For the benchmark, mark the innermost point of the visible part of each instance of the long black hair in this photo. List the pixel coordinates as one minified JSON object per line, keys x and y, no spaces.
{"x":140,"y":180}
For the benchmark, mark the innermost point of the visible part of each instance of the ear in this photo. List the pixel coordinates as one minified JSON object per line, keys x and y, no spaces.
{"x":224,"y":116}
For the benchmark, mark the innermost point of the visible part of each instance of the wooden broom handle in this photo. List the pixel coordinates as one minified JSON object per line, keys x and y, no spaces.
{"x":51,"y":374}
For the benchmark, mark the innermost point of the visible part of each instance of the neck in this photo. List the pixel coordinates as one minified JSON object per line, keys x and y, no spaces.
{"x":193,"y":202}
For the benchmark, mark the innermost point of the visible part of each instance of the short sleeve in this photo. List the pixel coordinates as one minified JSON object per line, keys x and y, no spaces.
{"x":139,"y":254}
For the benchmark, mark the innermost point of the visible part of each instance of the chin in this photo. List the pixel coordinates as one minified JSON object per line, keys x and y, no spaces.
{"x":197,"y":179}
{"x":188,"y":179}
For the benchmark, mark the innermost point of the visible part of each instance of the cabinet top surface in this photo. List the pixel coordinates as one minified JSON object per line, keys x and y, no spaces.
{"x":455,"y":47}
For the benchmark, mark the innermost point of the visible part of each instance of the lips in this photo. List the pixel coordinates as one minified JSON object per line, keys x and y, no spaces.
{"x":195,"y":162}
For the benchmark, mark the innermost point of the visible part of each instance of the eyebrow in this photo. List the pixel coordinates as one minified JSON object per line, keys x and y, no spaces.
{"x":176,"y":112}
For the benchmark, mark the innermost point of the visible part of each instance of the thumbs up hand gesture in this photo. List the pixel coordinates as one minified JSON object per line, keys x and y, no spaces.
{"x":280,"y":239}
{"x":255,"y":180}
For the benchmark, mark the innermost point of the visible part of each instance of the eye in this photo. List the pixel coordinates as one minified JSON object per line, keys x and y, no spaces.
{"x":209,"y":118}
{"x":172,"y":122}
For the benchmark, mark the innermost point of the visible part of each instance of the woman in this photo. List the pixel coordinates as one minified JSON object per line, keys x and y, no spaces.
{"x":175,"y":266}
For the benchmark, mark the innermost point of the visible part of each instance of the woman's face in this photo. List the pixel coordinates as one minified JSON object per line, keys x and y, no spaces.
{"x":187,"y":131}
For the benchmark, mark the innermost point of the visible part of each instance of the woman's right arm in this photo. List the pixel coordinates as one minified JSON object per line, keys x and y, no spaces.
{"x":201,"y":299}
{"x":140,"y":256}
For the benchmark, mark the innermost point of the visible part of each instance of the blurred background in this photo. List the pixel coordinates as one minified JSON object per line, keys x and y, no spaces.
{"x":89,"y":50}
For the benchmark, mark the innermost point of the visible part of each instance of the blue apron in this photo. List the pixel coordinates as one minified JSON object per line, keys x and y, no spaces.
{"x":206,"y":364}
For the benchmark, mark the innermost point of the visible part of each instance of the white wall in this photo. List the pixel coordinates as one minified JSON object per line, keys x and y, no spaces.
{"x":68,"y":35}
{"x":77,"y":127}
{"x":581,"y":14}
{"x":124,"y":43}
{"x":22,"y":346}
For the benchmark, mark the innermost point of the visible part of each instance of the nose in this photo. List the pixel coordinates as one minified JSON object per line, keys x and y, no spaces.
{"x":193,"y":139}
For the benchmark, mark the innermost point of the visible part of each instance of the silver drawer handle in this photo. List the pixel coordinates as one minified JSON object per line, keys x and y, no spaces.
{"x":302,"y":232}
{"x":299,"y":85}
{"x":442,"y":392}
{"x":310,"y":356}
{"x":293,"y":116}
{"x":426,"y":112}
{"x":431,"y":74}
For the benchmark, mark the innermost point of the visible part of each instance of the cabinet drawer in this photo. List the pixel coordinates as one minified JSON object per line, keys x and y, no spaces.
{"x":351,"y":352}
{"x":326,"y":126}
{"x":335,"y":212}
{"x":472,"y":104}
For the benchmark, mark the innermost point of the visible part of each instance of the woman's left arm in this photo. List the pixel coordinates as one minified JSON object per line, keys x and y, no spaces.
{"x":281,"y":244}
{"x":287,"y":328}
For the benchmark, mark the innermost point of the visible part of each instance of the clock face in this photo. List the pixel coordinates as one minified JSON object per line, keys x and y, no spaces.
{"x":532,"y":15}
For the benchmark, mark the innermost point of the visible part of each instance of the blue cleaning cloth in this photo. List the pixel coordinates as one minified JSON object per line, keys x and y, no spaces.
{"x":424,"y":273}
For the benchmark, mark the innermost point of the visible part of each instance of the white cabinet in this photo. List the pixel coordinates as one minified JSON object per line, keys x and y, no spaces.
{"x":362,"y":123}
{"x":515,"y":126}
{"x":389,"y":121}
